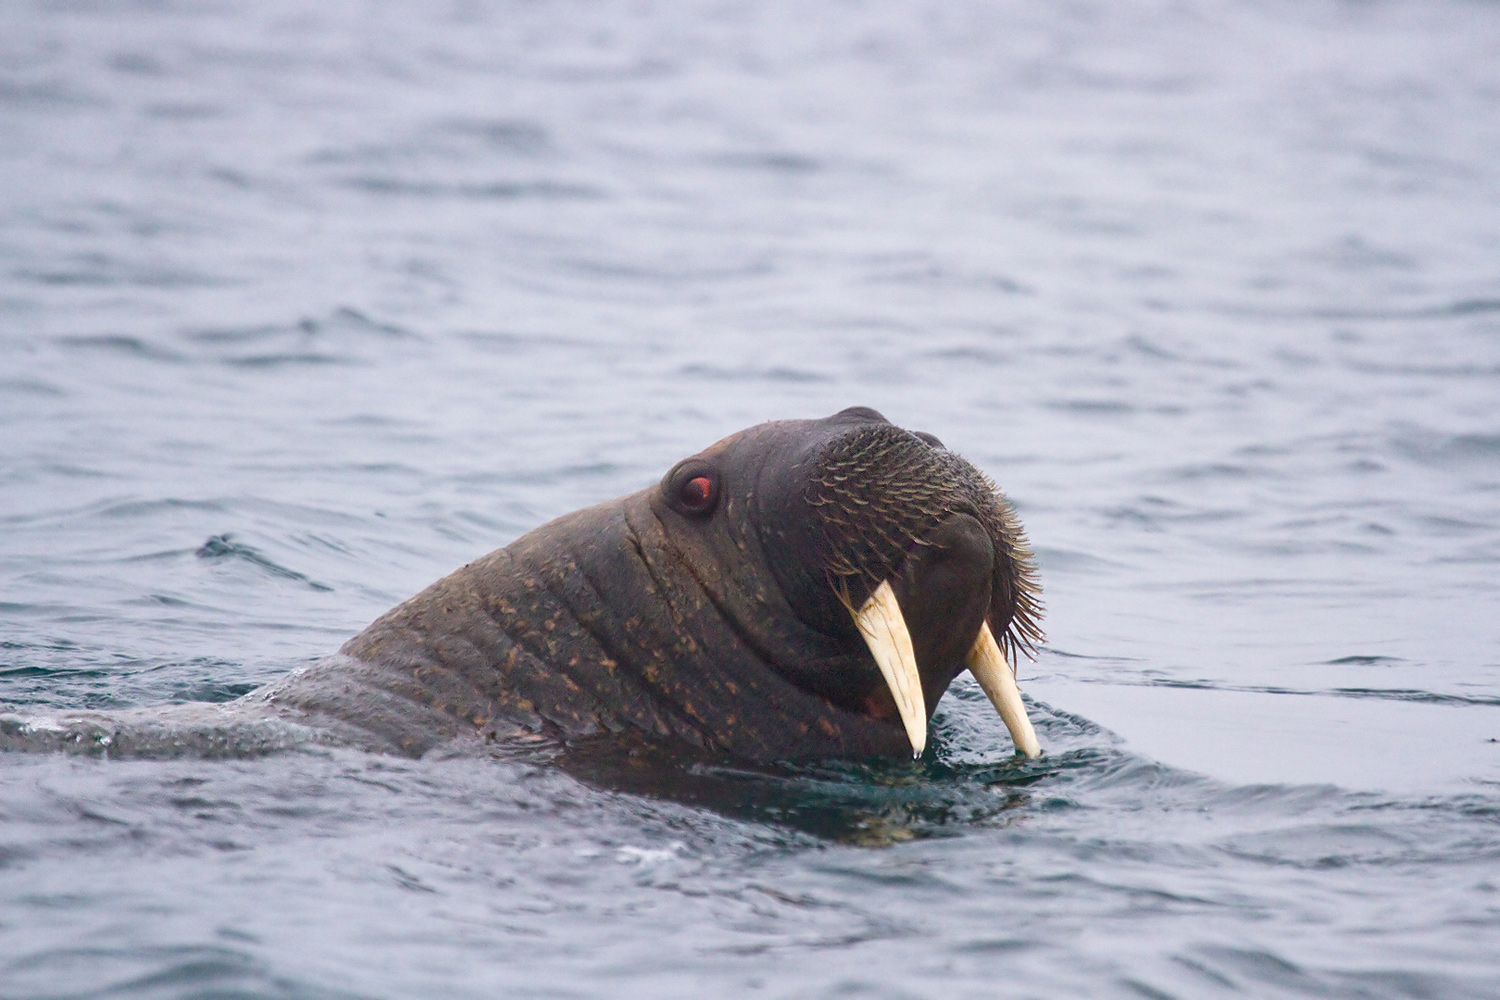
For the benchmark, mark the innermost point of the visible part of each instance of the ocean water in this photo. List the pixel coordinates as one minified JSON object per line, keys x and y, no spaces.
{"x":304,"y":305}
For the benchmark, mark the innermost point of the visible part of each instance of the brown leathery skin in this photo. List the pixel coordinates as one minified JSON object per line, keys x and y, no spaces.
{"x":712,"y":609}
{"x":535,"y":632}
{"x":730,"y":632}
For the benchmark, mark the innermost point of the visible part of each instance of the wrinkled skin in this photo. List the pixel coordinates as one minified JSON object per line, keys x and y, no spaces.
{"x":713,"y":608}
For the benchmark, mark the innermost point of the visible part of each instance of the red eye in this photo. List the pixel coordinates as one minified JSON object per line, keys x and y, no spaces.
{"x":697,"y":492}
{"x":692,"y":488}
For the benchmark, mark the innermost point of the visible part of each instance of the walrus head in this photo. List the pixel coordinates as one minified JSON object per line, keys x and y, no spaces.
{"x":901,"y":562}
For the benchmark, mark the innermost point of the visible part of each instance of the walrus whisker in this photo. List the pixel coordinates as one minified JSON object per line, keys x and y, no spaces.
{"x":884,"y":630}
{"x":987,"y":663}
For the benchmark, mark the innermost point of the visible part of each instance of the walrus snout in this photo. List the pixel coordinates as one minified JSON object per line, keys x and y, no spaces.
{"x":943,"y":591}
{"x":883,"y":528}
{"x":928,"y":623}
{"x":935,"y":603}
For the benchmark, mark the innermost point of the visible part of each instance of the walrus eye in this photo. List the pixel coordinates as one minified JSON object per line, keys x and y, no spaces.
{"x":696,"y":492}
{"x":693,"y":489}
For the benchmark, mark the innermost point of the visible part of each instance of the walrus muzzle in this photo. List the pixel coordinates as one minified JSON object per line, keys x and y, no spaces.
{"x":961,"y":564}
{"x":884,"y":628}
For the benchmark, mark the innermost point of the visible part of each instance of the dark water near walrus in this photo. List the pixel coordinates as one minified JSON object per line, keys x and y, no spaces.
{"x":304,"y":305}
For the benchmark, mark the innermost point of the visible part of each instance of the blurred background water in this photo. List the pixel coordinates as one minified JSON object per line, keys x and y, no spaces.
{"x":304,"y":305}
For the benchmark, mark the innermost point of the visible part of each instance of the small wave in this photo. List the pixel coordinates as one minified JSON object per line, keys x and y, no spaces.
{"x":31,"y":387}
{"x":212,"y":691}
{"x":938,"y":275}
{"x":289,"y":358}
{"x":1055,"y":560}
{"x":666,"y":272}
{"x":510,"y":342}
{"x":1386,"y":694}
{"x":347,"y":318}
{"x":104,"y":271}
{"x":346,"y":336}
{"x":184,"y":111}
{"x":160,"y":972}
{"x":1451,"y":449}
{"x":1051,"y":650}
{"x":115,"y":343}
{"x":1460,"y":370}
{"x":46,"y":95}
{"x":1456,"y":309}
{"x":492,"y":190}
{"x":1216,"y":470}
{"x":29,"y":670}
{"x":971,"y":354}
{"x":748,"y":374}
{"x":513,"y":135}
{"x":607,"y":71}
{"x":1468,"y":307}
{"x":138,"y":64}
{"x":234,"y":178}
{"x":149,"y":508}
{"x":1154,"y":513}
{"x":547,"y":475}
{"x":344,"y":320}
{"x":1325,"y":845}
{"x":224,"y":547}
{"x":1100,"y":407}
{"x":1251,"y":970}
{"x":781,"y":163}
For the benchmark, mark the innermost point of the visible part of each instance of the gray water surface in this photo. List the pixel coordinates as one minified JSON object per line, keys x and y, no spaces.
{"x":304,"y":305}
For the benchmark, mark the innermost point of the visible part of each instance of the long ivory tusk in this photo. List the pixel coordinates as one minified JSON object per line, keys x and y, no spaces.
{"x":987,"y":664}
{"x":884,"y":631}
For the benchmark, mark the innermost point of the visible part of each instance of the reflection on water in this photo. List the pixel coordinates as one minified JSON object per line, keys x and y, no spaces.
{"x":302,"y":308}
{"x":871,"y":804}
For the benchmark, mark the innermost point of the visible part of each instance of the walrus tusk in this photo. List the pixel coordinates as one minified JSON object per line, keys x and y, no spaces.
{"x":884,"y":630}
{"x":987,"y":663}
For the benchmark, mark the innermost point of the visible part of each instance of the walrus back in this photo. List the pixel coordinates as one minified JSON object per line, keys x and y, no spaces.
{"x":208,"y":731}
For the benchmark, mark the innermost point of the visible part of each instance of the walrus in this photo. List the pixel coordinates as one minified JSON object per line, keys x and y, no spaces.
{"x":803,"y":589}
